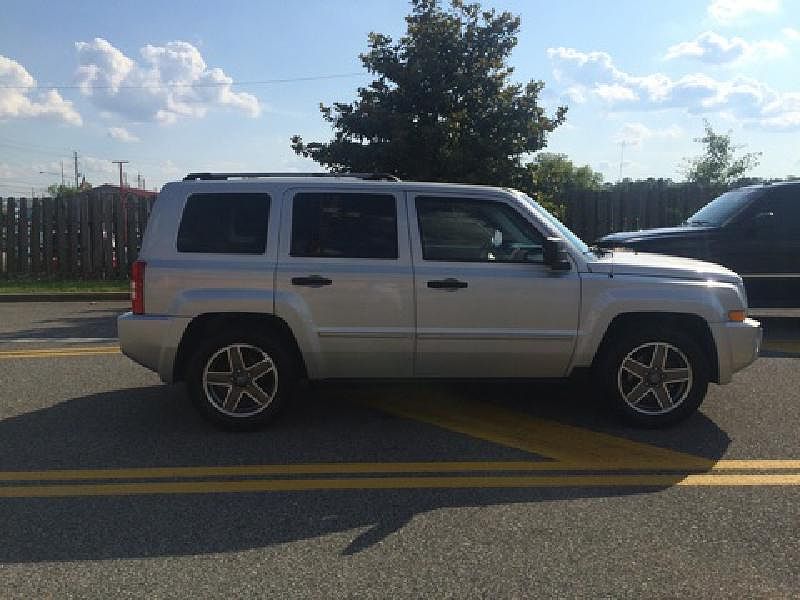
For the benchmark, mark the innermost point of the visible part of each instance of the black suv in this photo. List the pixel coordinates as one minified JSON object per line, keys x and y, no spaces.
{"x":753,"y":230}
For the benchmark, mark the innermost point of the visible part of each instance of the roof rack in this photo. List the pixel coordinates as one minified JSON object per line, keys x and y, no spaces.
{"x":226,"y":176}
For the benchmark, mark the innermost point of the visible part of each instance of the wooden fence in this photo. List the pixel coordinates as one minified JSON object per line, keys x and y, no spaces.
{"x":594,"y":213}
{"x":92,"y":235}
{"x":89,"y":235}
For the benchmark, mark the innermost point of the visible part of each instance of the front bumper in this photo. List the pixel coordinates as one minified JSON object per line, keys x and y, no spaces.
{"x":152,"y":341}
{"x":738,"y":345}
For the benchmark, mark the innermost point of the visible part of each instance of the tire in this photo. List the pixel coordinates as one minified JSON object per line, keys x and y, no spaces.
{"x":654,"y":377}
{"x":240,"y":380}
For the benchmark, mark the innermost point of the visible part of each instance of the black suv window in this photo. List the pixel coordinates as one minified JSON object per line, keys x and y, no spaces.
{"x":784,"y":204}
{"x":466,"y":230}
{"x":344,"y":225}
{"x":224,"y":224}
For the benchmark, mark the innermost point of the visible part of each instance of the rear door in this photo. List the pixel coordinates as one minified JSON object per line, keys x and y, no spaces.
{"x":487,"y":306}
{"x":344,"y":269}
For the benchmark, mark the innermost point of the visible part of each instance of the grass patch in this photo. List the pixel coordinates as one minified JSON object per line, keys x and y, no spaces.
{"x":21,"y":286}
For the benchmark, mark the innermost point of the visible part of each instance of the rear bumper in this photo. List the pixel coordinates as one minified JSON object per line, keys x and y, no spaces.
{"x":152,"y":341}
{"x":738,"y":345}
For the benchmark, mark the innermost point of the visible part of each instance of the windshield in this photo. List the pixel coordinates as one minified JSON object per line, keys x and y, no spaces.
{"x":562,"y":229}
{"x":723,"y":208}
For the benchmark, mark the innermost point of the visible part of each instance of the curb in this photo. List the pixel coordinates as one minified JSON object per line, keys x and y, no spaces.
{"x":65,"y":297}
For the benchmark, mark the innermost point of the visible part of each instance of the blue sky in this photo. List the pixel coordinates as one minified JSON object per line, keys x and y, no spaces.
{"x":638,"y":77}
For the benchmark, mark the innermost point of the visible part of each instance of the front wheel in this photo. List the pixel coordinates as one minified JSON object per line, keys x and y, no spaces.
{"x":654,"y":377}
{"x":240,"y":380}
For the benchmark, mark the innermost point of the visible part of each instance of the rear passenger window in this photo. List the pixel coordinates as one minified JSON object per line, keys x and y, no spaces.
{"x":344,"y":225}
{"x":224,"y":224}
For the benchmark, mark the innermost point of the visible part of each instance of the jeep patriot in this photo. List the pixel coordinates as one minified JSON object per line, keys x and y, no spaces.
{"x":249,"y":282}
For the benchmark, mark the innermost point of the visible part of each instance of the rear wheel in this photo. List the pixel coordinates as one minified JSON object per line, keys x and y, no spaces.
{"x":654,"y":377}
{"x":240,"y":380}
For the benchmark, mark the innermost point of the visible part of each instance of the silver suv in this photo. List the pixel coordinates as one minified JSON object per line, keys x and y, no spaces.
{"x":248,"y":282}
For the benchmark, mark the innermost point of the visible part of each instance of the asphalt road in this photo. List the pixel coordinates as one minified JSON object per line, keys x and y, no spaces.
{"x":110,"y":484}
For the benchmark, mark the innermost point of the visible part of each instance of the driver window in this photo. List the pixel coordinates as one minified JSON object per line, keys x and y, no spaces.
{"x":784,"y":205}
{"x":467,"y":230}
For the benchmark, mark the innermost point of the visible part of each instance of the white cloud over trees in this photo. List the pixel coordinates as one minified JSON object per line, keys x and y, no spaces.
{"x":166,"y":83}
{"x":20,"y":97}
{"x":746,"y":99}
{"x":728,"y":11}
{"x":121,"y":134}
{"x":713,"y":48}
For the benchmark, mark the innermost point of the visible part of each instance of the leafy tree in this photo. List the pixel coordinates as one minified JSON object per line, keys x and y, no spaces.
{"x":58,"y":189}
{"x":441,"y":107}
{"x":551,"y":175}
{"x":718,"y":165}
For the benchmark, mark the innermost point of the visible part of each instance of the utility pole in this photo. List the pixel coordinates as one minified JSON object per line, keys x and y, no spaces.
{"x":62,"y":174}
{"x":621,"y":156}
{"x":120,"y":163}
{"x":124,"y":207}
{"x":75,"y":159}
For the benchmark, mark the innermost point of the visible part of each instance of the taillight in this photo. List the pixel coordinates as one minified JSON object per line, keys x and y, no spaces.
{"x":137,"y":287}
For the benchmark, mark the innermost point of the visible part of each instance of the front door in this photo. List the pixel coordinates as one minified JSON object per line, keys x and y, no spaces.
{"x":487,"y":306}
{"x":764,"y":248}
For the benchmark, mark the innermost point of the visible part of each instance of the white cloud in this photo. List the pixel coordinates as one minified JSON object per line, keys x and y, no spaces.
{"x":170,"y":82}
{"x":791,"y":34}
{"x":710,"y":47}
{"x":746,"y":99}
{"x":16,"y":101}
{"x":576,"y":93}
{"x":93,"y":165}
{"x":121,"y":134}
{"x":614,"y":92}
{"x":170,"y":169}
{"x":727,"y":11}
{"x":633,"y":134}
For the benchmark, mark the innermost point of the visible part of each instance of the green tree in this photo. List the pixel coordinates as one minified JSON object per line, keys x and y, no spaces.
{"x":551,"y":175}
{"x":58,"y":189}
{"x":718,"y":165}
{"x":441,"y":107}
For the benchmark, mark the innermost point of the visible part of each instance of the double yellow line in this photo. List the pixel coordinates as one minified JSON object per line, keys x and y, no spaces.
{"x":59,"y":352}
{"x":375,"y":476}
{"x":572,"y":457}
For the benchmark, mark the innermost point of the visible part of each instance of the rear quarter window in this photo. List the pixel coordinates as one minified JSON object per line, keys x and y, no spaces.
{"x":224,"y":224}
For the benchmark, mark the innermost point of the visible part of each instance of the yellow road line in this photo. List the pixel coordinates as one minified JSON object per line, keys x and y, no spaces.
{"x":756,"y":465}
{"x":368,"y":468}
{"x":564,"y":443}
{"x":59,"y":352}
{"x":787,"y":346}
{"x":374,"y":483}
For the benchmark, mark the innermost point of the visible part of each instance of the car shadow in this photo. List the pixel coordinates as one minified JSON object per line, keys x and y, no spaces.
{"x":89,"y":323}
{"x":155,"y":426}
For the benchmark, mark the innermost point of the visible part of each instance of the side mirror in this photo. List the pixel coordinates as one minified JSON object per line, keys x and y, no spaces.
{"x":554,"y":254}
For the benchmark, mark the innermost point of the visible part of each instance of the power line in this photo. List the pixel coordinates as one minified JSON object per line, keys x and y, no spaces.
{"x":50,"y":150}
{"x":207,"y":84}
{"x":25,"y":146}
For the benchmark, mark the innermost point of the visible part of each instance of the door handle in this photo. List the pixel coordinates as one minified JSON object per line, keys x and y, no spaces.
{"x":312,"y":281}
{"x":447,"y":284}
